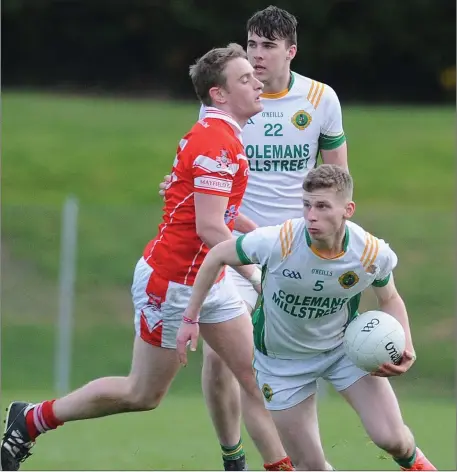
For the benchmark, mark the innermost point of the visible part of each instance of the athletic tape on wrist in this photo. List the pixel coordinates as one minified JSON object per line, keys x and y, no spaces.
{"x":256,"y":277}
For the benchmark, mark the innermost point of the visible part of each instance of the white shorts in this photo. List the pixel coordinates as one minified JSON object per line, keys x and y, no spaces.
{"x":244,"y":287}
{"x":159,"y":305}
{"x":287,"y":382}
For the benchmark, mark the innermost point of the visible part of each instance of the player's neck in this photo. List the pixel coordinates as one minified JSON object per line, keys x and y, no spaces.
{"x":332,"y":247}
{"x":240,"y":121}
{"x":279,"y":84}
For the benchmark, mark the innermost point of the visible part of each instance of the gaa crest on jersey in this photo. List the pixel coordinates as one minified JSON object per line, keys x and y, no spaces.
{"x":301,"y":119}
{"x":230,"y":214}
{"x":267,"y":392}
{"x":223,"y":161}
{"x":348,"y":279}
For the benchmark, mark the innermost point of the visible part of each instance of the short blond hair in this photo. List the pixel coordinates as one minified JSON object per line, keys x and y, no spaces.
{"x":329,"y":176}
{"x":209,"y":70}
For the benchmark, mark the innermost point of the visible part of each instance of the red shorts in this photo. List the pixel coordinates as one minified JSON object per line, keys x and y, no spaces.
{"x":159,"y":305}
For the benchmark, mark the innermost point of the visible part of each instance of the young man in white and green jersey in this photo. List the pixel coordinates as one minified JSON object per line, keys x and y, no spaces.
{"x":314,"y":270}
{"x":301,"y":118}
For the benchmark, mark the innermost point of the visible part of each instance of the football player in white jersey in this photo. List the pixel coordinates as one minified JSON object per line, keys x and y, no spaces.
{"x":301,"y":118}
{"x":314,"y":270}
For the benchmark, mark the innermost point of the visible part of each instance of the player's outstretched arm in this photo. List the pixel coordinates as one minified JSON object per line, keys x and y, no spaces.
{"x":390,"y":301}
{"x":219,"y":256}
{"x":223,"y":254}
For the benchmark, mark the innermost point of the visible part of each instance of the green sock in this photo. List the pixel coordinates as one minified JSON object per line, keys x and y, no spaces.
{"x":232,"y":453}
{"x":406,"y":462}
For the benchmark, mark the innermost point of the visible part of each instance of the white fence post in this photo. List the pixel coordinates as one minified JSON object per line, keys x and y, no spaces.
{"x":63,"y":351}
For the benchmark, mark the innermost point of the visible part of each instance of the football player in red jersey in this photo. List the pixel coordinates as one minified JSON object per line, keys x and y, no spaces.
{"x":209,"y":177}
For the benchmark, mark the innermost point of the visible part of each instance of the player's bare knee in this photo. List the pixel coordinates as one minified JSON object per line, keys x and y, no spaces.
{"x":141,"y":399}
{"x":146,"y":402}
{"x":395,"y":441}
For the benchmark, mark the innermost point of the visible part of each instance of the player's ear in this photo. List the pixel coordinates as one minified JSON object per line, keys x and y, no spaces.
{"x":217,"y":95}
{"x":291,"y":52}
{"x":350,"y":210}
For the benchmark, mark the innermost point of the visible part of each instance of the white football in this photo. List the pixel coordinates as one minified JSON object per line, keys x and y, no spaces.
{"x":374,"y":338}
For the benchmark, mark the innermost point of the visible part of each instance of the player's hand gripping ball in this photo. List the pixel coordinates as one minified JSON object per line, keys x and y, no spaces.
{"x":374,"y":339}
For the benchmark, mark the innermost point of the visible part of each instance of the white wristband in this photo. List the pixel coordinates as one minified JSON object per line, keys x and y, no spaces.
{"x":256,"y":277}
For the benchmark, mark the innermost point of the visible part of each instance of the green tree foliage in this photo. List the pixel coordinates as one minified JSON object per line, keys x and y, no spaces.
{"x":367,"y":50}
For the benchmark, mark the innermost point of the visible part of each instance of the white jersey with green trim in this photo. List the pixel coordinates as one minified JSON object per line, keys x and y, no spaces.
{"x":307,"y":301}
{"x":282,"y":144}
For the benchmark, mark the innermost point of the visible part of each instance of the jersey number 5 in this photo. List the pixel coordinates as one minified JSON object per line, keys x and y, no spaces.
{"x":318,"y":286}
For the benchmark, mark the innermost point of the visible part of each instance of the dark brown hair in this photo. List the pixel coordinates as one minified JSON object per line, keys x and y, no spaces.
{"x":274,"y":23}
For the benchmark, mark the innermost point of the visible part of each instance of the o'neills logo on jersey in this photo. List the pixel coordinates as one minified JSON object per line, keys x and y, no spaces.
{"x":213,"y":183}
{"x":301,"y":119}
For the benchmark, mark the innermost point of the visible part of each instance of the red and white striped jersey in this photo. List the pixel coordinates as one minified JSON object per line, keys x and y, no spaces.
{"x":210,"y":159}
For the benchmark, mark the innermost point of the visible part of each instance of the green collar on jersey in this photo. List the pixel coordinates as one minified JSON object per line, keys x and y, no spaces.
{"x":345,"y":240}
{"x":291,"y":81}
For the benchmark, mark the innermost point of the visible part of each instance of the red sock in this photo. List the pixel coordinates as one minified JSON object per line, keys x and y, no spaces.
{"x":283,"y":464}
{"x":40,"y":419}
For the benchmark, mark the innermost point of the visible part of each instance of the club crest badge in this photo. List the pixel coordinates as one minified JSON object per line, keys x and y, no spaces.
{"x":301,"y":119}
{"x":267,"y":392}
{"x":348,"y":279}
